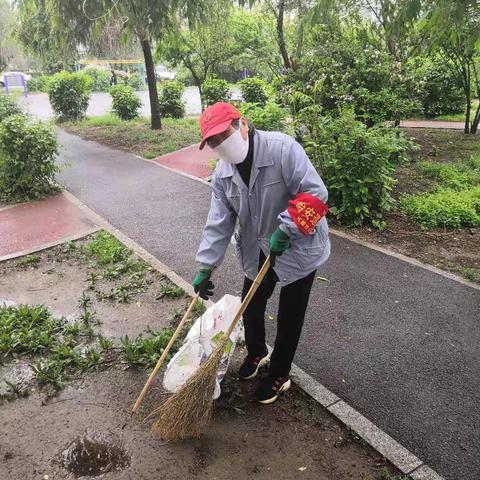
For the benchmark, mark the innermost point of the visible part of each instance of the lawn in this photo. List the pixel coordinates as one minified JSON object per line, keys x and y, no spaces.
{"x":449,"y":161}
{"x":136,"y":136}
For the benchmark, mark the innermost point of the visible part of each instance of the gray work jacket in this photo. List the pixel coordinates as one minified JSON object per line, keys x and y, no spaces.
{"x":280,"y":170}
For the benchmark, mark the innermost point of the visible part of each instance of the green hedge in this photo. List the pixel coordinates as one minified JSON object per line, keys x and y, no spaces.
{"x":171,"y":99}
{"x":215,"y":90}
{"x":69,"y":94}
{"x":125,"y":102}
{"x":445,"y":207}
{"x":27,"y":159}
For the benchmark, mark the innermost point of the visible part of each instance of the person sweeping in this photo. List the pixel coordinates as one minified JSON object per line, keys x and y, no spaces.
{"x":265,"y":181}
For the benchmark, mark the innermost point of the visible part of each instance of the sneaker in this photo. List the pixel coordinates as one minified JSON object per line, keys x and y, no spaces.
{"x":271,"y":388}
{"x":251,"y":366}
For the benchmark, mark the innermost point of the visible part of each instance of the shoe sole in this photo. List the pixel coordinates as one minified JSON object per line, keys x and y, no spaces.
{"x":282,"y":389}
{"x":261,"y":364}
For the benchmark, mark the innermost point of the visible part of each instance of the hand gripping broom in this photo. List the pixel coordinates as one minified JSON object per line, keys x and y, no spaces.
{"x":188,"y":411}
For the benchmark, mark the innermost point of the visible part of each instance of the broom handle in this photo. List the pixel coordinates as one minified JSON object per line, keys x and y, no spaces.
{"x":164,"y":354}
{"x":248,"y":297}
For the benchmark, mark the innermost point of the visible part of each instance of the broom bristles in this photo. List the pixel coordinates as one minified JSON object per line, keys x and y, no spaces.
{"x":189,"y":410}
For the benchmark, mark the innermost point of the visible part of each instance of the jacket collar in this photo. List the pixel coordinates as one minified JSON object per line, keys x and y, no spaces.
{"x":261,"y":158}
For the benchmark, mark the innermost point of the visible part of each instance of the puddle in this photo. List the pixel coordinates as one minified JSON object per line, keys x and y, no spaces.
{"x":94,"y":454}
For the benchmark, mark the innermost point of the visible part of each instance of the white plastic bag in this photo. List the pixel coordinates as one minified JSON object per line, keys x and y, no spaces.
{"x":200,"y":342}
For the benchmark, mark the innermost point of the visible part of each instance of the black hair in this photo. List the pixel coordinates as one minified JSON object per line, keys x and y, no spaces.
{"x":251,"y":127}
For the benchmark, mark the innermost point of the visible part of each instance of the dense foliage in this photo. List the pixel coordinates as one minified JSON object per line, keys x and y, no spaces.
{"x":265,"y":117}
{"x":171,"y":99}
{"x":435,"y":85}
{"x":69,"y":94}
{"x":27,"y":159}
{"x":125,"y":102}
{"x":254,"y":90}
{"x":215,"y":90}
{"x":345,"y":69}
{"x":100,"y":79}
{"x":8,"y":107}
{"x":356,"y":163}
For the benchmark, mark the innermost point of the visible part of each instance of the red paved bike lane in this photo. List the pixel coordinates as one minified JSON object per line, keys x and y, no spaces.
{"x":190,"y":160}
{"x":33,"y":226}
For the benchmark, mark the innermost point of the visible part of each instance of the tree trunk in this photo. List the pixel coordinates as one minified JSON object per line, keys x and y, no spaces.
{"x":280,"y":35}
{"x":467,"y":113}
{"x":152,"y":85}
{"x":476,"y":120}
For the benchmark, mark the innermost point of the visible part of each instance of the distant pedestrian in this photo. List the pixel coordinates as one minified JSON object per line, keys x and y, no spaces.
{"x":113,"y":78}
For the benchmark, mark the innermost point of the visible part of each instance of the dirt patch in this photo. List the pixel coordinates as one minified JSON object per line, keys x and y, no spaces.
{"x":58,"y":277}
{"x":294,"y":438}
{"x":456,"y":251}
{"x":137,"y":137}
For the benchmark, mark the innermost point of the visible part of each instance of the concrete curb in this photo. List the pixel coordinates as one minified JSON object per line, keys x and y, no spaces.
{"x":395,"y":453}
{"x":49,"y":244}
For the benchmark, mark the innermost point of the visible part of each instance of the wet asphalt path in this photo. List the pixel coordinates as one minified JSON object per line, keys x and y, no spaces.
{"x":399,"y":343}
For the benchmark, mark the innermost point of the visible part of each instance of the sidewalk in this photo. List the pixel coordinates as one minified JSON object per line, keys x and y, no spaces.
{"x":31,"y":226}
{"x":190,"y":161}
{"x":396,"y":341}
{"x":432,"y":124}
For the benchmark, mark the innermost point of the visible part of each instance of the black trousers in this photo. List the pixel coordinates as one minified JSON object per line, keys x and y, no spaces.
{"x":291,"y":314}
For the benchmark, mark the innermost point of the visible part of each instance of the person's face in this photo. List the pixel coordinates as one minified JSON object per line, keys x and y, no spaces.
{"x":216,"y":140}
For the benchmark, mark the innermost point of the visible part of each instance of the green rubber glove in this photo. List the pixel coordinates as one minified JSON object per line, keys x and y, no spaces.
{"x":203,"y":284}
{"x":279,"y":242}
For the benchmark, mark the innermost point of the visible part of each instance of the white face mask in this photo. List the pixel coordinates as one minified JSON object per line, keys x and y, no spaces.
{"x":234,"y":149}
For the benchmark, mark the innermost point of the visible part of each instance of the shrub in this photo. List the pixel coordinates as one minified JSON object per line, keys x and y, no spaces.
{"x":39,"y":84}
{"x":125,"y":102}
{"x":356,"y":163}
{"x":215,"y":90}
{"x":171,"y":99}
{"x":269,"y":117}
{"x":136,"y":81}
{"x":254,"y":90}
{"x":100,"y":79}
{"x":69,"y":94}
{"x":444,"y":208}
{"x":27,"y":159}
{"x":435,"y":85}
{"x":8,"y":107}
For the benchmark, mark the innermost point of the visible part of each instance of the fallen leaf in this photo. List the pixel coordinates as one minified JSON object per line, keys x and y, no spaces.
{"x":302,"y":469}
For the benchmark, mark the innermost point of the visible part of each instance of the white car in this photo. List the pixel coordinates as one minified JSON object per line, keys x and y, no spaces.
{"x":162,"y":73}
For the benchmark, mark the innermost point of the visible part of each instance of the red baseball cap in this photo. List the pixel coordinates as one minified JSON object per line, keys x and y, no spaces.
{"x":216,"y":119}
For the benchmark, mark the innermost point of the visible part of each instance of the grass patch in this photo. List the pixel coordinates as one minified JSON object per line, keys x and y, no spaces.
{"x":55,"y":345}
{"x":107,"y":249}
{"x":170,"y":290}
{"x":457,"y":176}
{"x":198,"y":309}
{"x":29,"y":261}
{"x":386,"y":475}
{"x":136,"y":136}
{"x":145,"y":350}
{"x":444,"y":208}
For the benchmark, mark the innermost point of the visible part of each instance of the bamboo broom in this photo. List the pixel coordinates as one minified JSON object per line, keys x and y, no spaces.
{"x":186,"y":413}
{"x":164,"y":354}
